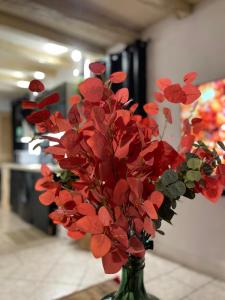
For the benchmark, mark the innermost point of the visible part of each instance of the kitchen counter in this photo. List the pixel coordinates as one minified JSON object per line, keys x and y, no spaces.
{"x":5,"y":181}
{"x":18,"y":194}
{"x":24,"y":167}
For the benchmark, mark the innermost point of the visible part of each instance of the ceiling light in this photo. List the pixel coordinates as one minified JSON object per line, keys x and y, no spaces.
{"x":18,"y":74}
{"x":76,"y":72}
{"x":87,"y":72}
{"x":25,"y":139}
{"x":76,"y":55}
{"x":55,"y":49}
{"x":39,"y":75}
{"x":24,"y":84}
{"x":35,"y":94}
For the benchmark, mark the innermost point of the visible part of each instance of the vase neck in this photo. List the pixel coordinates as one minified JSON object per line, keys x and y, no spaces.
{"x":136,"y":264}
{"x":132,"y":280}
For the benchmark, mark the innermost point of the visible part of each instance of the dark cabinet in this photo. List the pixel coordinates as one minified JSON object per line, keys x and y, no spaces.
{"x":24,"y":201}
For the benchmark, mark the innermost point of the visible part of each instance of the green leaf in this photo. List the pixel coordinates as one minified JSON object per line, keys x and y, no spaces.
{"x":174,"y":204}
{"x":168,"y":177}
{"x":177,"y":189}
{"x":183,"y":167}
{"x":160,"y":231}
{"x":194,"y":163}
{"x":193,"y":175}
{"x":36,"y":146}
{"x":159,"y":186}
{"x":221,"y":144}
{"x":189,"y":194}
{"x":207,"y":169}
{"x":190,"y":184}
{"x":190,"y":155}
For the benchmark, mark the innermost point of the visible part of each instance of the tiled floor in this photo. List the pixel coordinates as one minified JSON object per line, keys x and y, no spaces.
{"x":37,"y":267}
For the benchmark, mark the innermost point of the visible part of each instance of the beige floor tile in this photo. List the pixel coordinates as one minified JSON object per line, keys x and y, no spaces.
{"x":50,"y":291}
{"x":156,"y":266}
{"x":31,"y":271}
{"x":219,"y":283}
{"x":17,"y":289}
{"x":167,"y":288}
{"x":95,"y":274}
{"x":66,"y":273}
{"x":209,"y":292}
{"x":39,"y":267}
{"x":189,"y":277}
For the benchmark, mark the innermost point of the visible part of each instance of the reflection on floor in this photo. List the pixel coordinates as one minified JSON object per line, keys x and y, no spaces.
{"x":37,"y":267}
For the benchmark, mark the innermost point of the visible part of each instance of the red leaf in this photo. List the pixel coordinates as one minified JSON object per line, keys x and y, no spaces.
{"x":91,"y":89}
{"x":136,"y":186}
{"x":136,"y":246}
{"x":71,"y":163}
{"x":149,"y":227}
{"x":187,"y":142}
{"x":74,"y":116}
{"x":56,"y":150}
{"x":168,"y":115}
{"x":86,"y":209}
{"x":150,"y":209}
{"x":26,"y":104}
{"x":51,"y":99}
{"x":118,"y":77}
{"x":213,"y":189}
{"x":159,"y":97}
{"x":195,"y":121}
{"x":192,"y":93}
{"x":120,"y":235}
{"x":186,"y":127}
{"x":189,"y":77}
{"x":139,"y":225}
{"x":157,"y":198}
{"x":64,"y":196}
{"x":57,"y":216}
{"x":76,"y":235}
{"x":133,"y":108}
{"x":100,"y":245}
{"x":120,"y":194}
{"x":124,"y":114}
{"x":113,"y":261}
{"x":175,"y":94}
{"x":221,"y":172}
{"x":122,"y":95}
{"x":122,"y":150}
{"x":97,"y":68}
{"x":122,"y":222}
{"x":150,"y":148}
{"x":47,"y":197}
{"x":151,"y":108}
{"x":75,"y":99}
{"x":104,"y":216}
{"x":39,"y":184}
{"x":163,"y":83}
{"x":38,"y":116}
{"x":36,"y":86}
{"x":59,"y":123}
{"x":98,"y":144}
{"x":45,"y":171}
{"x":90,"y":224}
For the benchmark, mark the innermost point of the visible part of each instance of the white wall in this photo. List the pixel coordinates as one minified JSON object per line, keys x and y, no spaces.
{"x":197,"y":238}
{"x":5,"y":102}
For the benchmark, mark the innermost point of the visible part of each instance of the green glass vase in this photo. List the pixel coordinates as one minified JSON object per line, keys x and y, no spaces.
{"x":132,"y":282}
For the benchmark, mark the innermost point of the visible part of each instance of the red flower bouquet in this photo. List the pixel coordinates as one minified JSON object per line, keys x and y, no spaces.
{"x":119,"y":178}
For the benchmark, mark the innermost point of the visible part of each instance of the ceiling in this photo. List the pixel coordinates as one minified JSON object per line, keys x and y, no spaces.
{"x":89,"y":25}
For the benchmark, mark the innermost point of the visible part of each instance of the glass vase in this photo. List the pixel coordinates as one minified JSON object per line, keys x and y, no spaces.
{"x":132,"y":282}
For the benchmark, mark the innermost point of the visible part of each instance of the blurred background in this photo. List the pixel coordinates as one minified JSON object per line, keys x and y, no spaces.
{"x":55,"y":41}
